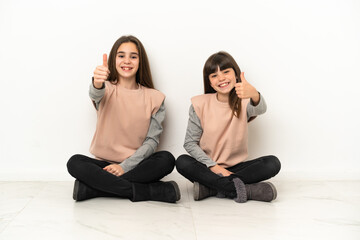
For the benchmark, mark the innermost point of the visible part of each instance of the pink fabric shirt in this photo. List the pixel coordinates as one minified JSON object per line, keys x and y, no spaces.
{"x":225,"y":137}
{"x":123,"y":120}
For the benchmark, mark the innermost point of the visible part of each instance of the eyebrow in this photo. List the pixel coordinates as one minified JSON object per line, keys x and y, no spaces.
{"x":220,"y":71}
{"x":125,"y":52}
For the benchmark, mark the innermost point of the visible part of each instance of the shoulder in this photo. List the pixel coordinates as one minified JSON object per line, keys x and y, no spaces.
{"x":202,"y":99}
{"x":154,"y":98}
{"x":201,"y":102}
{"x":153,"y":93}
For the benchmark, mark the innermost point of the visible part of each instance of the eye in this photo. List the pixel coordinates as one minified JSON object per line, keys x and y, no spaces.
{"x":121,"y":56}
{"x":134,"y":57}
{"x":213,"y":76}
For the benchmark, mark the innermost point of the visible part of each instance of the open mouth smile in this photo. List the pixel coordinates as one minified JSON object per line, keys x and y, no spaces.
{"x":223,"y":85}
{"x":126,"y":68}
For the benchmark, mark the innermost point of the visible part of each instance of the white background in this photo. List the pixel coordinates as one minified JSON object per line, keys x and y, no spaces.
{"x":303,"y":56}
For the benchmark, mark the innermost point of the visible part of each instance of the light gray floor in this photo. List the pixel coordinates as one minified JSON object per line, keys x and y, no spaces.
{"x":303,"y":210}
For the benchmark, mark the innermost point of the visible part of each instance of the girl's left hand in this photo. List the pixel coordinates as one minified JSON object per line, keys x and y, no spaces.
{"x":115,"y":169}
{"x":220,"y":170}
{"x":245,"y":90}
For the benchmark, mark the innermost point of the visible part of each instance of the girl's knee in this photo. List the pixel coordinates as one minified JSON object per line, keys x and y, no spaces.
{"x":73,"y":163}
{"x":167,"y":157}
{"x":274,"y":164}
{"x":166,"y":160}
{"x":183,"y":162}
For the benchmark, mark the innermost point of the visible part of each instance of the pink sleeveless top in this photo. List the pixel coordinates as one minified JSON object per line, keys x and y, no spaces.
{"x":225,"y":137}
{"x":123,"y":120}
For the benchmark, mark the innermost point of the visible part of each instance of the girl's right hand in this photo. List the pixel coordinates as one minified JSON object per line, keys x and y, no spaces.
{"x":218,"y":169}
{"x":114,"y":169}
{"x":101,"y":73}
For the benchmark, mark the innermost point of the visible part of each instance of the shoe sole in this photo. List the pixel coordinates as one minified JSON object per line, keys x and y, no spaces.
{"x":273,"y":189}
{"x":196,"y":191}
{"x":76,"y":189}
{"x":177,"y":190}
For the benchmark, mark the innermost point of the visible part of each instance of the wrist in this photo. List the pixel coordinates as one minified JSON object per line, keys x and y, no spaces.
{"x":255,"y":98}
{"x":97,"y":85}
{"x":121,"y":170}
{"x":213,"y":168}
{"x":216,"y":169}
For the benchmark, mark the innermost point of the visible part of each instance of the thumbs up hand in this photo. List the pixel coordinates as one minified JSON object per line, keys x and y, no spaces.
{"x":101,"y":73}
{"x":245,"y":90}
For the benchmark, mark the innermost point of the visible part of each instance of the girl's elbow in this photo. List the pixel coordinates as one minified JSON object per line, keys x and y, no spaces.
{"x":187,"y":146}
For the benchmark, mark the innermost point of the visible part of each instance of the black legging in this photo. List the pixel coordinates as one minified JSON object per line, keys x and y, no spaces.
{"x":90,"y":171}
{"x":253,"y":171}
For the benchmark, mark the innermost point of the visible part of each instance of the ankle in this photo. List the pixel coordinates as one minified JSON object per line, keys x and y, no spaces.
{"x":241,"y":192}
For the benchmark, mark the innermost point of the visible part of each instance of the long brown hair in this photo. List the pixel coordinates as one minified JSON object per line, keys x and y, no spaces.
{"x":143,"y":75}
{"x":223,"y":60}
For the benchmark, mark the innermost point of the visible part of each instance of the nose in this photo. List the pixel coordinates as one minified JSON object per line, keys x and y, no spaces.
{"x":221,"y":77}
{"x":127,"y":59}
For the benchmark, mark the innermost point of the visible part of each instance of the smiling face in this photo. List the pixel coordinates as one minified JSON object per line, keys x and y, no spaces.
{"x":223,"y":81}
{"x":127,"y":61}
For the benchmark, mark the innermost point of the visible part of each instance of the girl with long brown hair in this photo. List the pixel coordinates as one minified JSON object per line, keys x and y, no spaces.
{"x":130,"y":113}
{"x":217,"y":137}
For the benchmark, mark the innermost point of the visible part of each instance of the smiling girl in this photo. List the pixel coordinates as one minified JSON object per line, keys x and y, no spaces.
{"x":217,"y":137}
{"x":130,"y":113}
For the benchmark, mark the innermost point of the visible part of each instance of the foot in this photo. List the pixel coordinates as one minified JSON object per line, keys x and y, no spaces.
{"x":163,"y":192}
{"x":177,"y":190}
{"x":83,"y":192}
{"x":202,"y":192}
{"x":263,"y":191}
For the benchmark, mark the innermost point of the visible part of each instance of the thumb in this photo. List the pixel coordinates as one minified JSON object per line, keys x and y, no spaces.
{"x":242,"y":77}
{"x":105,"y":62}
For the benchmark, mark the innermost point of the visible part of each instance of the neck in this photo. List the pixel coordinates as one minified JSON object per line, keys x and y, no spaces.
{"x":222,"y":97}
{"x":128,"y":83}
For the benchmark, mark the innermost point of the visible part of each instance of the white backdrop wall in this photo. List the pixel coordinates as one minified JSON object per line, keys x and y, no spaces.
{"x":303,"y":56}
